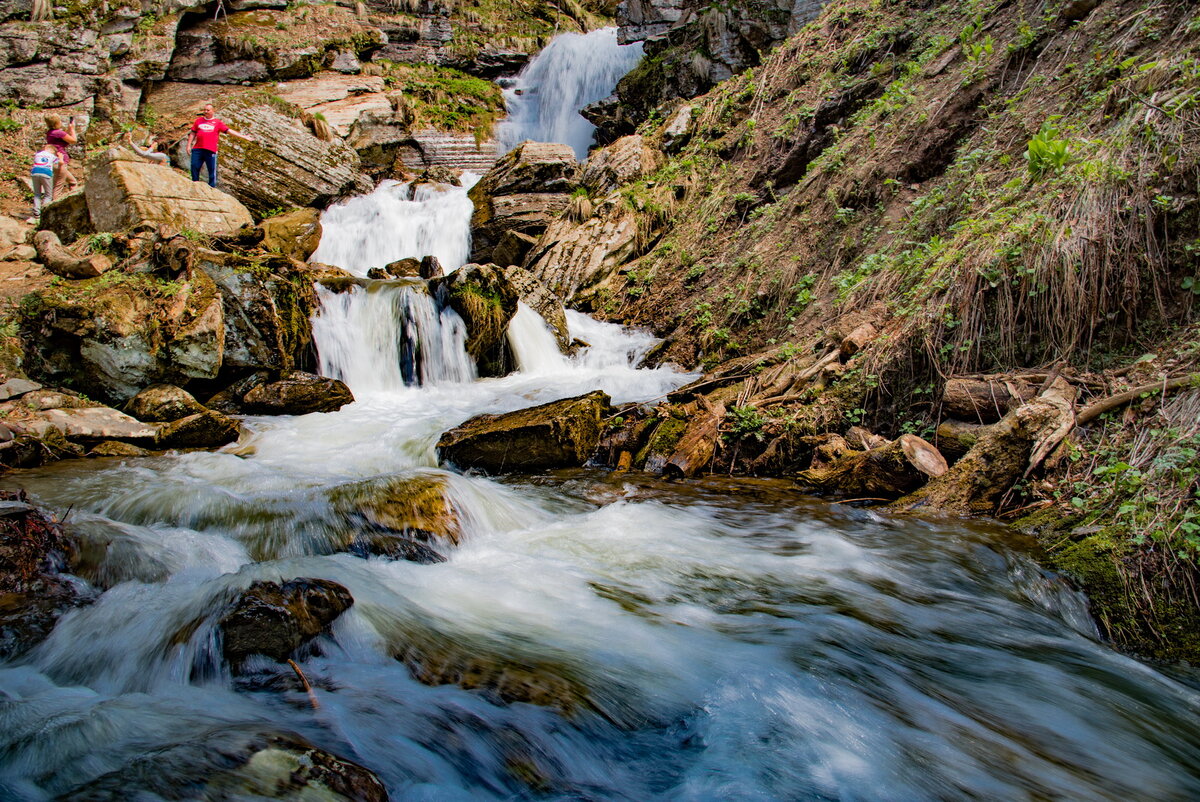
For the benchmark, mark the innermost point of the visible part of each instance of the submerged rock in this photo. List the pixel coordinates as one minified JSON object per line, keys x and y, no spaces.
{"x":404,"y":517}
{"x":276,"y":619}
{"x":561,"y":434}
{"x":230,"y":764}
{"x":297,"y":393}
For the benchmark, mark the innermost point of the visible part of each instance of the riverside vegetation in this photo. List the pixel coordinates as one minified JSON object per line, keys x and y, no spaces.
{"x":939,"y":259}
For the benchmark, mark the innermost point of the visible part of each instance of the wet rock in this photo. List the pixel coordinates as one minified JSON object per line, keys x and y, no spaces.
{"x":207,"y":429}
{"x":115,"y":448}
{"x":35,"y":552}
{"x":486,"y":300}
{"x":123,"y":192}
{"x":161,"y":403}
{"x":275,"y":619}
{"x":406,"y":517}
{"x":561,"y":434}
{"x":404,"y":268}
{"x":525,"y":190}
{"x":229,"y":400}
{"x":296,"y":233}
{"x":229,"y":764}
{"x":297,"y":393}
{"x":378,"y":273}
{"x":431,"y":268}
{"x":439,"y":174}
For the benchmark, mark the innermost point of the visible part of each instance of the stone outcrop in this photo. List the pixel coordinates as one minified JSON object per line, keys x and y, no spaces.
{"x":297,"y":393}
{"x":486,"y":300}
{"x":622,"y":162}
{"x":287,"y":166}
{"x":526,"y":190}
{"x":561,"y":434}
{"x":572,"y":257}
{"x":275,"y":619}
{"x":123,"y":192}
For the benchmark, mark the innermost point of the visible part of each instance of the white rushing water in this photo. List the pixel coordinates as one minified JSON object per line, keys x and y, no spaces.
{"x":571,"y":72}
{"x":713,"y":639}
{"x":398,"y":221}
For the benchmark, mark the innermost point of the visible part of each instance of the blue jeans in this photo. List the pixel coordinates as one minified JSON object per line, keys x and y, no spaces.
{"x":204,"y":158}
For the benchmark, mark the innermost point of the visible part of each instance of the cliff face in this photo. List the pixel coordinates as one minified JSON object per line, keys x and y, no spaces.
{"x":899,"y":199}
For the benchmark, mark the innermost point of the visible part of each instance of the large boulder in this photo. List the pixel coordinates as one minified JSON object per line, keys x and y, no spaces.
{"x":561,"y":434}
{"x":297,"y":393}
{"x":123,"y":192}
{"x":206,"y":429}
{"x":523,"y":192}
{"x":162,"y":403}
{"x":486,"y":300}
{"x":275,"y":619}
{"x":287,"y":166}
{"x":67,"y":216}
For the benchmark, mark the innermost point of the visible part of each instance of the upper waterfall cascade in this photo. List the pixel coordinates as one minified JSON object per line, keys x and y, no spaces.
{"x":571,"y":72}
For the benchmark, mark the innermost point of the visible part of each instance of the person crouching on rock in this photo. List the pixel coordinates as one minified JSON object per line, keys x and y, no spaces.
{"x":202,"y":142}
{"x":42,"y":177}
{"x":58,"y":138}
{"x":151,"y":150}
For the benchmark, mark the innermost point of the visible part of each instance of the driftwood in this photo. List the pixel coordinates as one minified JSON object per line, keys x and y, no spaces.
{"x":889,"y":470}
{"x":985,"y":400}
{"x":62,"y":262}
{"x":1098,"y":408}
{"x":696,"y":448}
{"x":1003,"y":454}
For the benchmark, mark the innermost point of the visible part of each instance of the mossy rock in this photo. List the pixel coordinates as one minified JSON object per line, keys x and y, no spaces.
{"x":485,"y":298}
{"x":405,"y":517}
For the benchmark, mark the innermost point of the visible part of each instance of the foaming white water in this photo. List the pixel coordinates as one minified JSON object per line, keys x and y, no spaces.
{"x":398,"y":221}
{"x":571,"y":72}
{"x":387,"y":335}
{"x":533,"y":343}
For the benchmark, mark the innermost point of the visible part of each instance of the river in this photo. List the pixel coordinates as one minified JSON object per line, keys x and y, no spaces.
{"x":712,"y":639}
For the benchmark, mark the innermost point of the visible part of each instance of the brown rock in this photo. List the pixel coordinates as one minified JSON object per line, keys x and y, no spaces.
{"x":404,"y":268}
{"x":207,"y":429}
{"x":486,"y":300}
{"x":406,"y":517}
{"x":161,"y":403}
{"x":296,"y":233}
{"x":276,"y":619}
{"x":618,"y":164}
{"x":561,"y":434}
{"x":297,"y":393}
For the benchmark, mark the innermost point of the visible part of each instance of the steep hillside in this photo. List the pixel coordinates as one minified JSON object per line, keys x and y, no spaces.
{"x":903,"y":195}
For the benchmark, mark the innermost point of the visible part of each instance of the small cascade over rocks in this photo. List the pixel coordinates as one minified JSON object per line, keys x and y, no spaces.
{"x":573,"y":71}
{"x":396,"y":221}
{"x":533,"y":344}
{"x":386,"y":335}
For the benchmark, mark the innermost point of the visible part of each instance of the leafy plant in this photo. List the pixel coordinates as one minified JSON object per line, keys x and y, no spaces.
{"x":1047,"y":152}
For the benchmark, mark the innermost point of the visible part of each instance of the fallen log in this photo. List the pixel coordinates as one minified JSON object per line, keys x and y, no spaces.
{"x":1098,"y":408}
{"x":889,"y":470}
{"x":1004,"y":453}
{"x":696,"y":448}
{"x":955,"y":438}
{"x":985,"y":400}
{"x":62,"y":262}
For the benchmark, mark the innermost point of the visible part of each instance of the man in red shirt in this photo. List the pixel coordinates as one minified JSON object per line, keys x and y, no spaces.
{"x":202,"y":142}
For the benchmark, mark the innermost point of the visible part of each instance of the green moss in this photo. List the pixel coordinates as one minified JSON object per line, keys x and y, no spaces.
{"x":662,"y":441}
{"x":446,"y":99}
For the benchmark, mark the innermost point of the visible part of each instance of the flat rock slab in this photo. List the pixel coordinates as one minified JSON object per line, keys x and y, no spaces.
{"x":98,"y":423}
{"x":14,"y":388}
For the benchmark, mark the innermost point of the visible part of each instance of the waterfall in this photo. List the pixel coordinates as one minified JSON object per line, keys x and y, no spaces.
{"x":573,"y":71}
{"x":387,"y":335}
{"x":533,"y":343}
{"x":398,"y":221}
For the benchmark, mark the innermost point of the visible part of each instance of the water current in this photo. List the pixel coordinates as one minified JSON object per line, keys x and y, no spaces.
{"x":708,"y":640}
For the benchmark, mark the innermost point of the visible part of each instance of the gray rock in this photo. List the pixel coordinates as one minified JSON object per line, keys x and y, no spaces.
{"x":15,"y":388}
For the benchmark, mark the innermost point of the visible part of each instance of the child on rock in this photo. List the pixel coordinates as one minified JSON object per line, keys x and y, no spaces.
{"x":42,"y":175}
